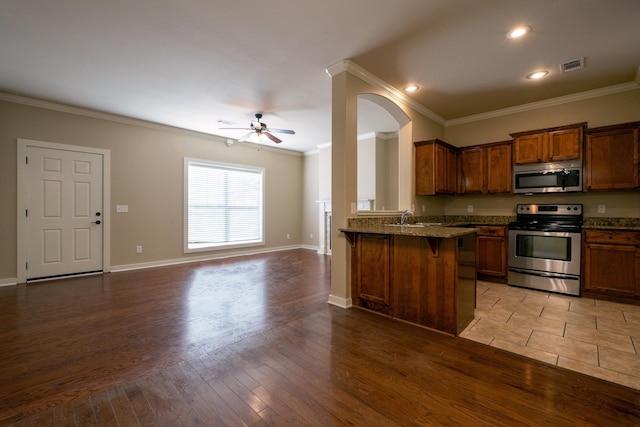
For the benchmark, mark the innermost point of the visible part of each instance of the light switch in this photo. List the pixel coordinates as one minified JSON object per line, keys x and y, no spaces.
{"x":122,"y":208}
{"x":601,"y":208}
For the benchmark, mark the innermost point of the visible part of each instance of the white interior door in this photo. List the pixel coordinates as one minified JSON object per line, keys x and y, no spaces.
{"x":64,"y":212}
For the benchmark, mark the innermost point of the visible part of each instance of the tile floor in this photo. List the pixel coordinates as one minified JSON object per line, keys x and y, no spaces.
{"x":597,"y":338}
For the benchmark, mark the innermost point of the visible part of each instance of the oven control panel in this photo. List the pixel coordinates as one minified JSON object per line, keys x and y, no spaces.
{"x":561,"y":209}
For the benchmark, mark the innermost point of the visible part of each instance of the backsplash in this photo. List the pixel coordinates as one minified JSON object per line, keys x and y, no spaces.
{"x":589,"y":222}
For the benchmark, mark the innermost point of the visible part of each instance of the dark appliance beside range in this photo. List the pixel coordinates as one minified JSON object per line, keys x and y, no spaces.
{"x":544,"y":247}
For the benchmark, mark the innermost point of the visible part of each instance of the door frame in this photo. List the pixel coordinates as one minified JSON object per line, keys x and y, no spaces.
{"x":22,"y":177}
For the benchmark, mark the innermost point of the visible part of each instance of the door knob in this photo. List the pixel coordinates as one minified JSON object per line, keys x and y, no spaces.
{"x":96,"y":222}
{"x":98,"y":213}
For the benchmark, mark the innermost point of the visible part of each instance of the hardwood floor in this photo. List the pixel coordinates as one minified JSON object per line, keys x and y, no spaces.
{"x":252,"y":341}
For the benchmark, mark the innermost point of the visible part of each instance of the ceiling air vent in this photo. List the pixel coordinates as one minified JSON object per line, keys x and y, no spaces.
{"x":574,"y":64}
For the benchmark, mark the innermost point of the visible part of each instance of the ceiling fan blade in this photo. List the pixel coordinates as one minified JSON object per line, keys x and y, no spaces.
{"x":271,"y":137}
{"x":246,"y":137}
{"x":236,"y":128}
{"x":289,"y":131}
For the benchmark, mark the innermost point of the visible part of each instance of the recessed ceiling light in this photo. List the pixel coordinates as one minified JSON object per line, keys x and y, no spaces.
{"x":518,"y":32}
{"x":411,"y":88}
{"x":537,"y":75}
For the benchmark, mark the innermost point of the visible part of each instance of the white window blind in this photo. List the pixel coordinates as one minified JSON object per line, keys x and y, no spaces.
{"x":224,"y":205}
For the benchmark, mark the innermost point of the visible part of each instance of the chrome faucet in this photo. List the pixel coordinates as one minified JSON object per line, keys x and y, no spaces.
{"x":405,"y":217}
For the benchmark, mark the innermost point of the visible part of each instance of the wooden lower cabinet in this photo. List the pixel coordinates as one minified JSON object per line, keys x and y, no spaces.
{"x":427,"y":281}
{"x":371,"y":265}
{"x":611,"y":264}
{"x":491,"y":252}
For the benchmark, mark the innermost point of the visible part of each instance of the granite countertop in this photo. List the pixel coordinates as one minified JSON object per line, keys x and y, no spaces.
{"x":452,"y":223}
{"x":599,"y":223}
{"x":444,"y":231}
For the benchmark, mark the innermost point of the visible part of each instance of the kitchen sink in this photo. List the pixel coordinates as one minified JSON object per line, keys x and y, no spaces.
{"x":417,"y":224}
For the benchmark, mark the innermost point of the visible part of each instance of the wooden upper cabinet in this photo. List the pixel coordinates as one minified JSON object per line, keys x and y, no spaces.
{"x":435,"y":168}
{"x":472,"y":170}
{"x":499,"y":168}
{"x":548,"y":145}
{"x":485,"y":169}
{"x":528,"y":149}
{"x":611,"y":157}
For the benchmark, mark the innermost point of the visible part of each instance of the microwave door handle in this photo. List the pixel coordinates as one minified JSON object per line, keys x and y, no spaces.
{"x":563,"y":179}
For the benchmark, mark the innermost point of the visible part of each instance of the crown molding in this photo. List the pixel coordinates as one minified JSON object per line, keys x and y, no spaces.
{"x":86,"y":112}
{"x":353,"y":68}
{"x":595,"y":93}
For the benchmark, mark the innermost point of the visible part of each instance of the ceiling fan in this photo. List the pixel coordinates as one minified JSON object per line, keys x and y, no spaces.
{"x":260,"y":128}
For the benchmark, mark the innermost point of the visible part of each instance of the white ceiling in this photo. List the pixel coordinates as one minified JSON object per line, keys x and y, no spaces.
{"x":190,"y":63}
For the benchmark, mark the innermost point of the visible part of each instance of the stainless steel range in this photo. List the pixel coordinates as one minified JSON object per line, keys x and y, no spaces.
{"x":544,"y":248}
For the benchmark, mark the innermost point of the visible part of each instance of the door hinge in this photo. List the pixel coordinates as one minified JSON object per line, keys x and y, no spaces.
{"x":26,"y":212}
{"x":26,"y":265}
{"x":26,"y":160}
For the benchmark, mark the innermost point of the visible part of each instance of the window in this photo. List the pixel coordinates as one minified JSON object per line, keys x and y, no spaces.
{"x":224,"y":205}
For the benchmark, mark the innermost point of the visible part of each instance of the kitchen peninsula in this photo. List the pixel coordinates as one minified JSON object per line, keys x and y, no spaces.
{"x":423,"y":274}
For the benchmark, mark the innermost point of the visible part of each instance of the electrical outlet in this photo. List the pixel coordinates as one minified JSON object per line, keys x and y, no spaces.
{"x":288,"y":236}
{"x":424,"y":208}
{"x":354,"y":208}
{"x":601,"y":208}
{"x":469,"y":208}
{"x":122,"y":208}
{"x":310,"y":235}
{"x":138,"y":249}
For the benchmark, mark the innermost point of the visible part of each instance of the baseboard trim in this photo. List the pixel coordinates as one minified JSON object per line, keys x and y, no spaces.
{"x":209,"y":257}
{"x":9,"y":281}
{"x":339,"y":301}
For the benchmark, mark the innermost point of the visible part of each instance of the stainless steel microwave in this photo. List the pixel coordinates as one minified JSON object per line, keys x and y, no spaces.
{"x":548,"y":178}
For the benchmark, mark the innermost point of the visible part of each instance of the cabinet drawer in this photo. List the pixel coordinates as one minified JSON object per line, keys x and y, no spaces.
{"x":491,"y":230}
{"x":611,"y":236}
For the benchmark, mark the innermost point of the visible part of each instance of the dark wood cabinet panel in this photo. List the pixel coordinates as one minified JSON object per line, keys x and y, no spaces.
{"x":548,"y":145}
{"x":491,"y":252}
{"x":424,"y":280}
{"x":611,"y":263}
{"x":473,"y":171}
{"x":435,"y":168}
{"x":612,"y":157}
{"x":528,"y":149}
{"x":485,"y":169}
{"x":499,"y":168}
{"x":565,"y":144}
{"x":372,"y":266}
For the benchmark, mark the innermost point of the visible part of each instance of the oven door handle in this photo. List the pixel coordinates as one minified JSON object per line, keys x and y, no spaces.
{"x":543,"y":274}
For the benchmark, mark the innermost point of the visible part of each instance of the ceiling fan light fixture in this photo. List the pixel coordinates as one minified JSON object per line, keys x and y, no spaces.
{"x":411,"y":88}
{"x":518,"y":32}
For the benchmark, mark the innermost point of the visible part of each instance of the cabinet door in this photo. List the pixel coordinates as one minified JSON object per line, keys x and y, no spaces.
{"x":491,"y":256}
{"x":372,"y":275}
{"x":612,"y":160}
{"x":452,"y":171}
{"x":564,"y":145}
{"x":441,"y":170}
{"x":424,"y":173}
{"x":612,"y":269}
{"x":472,"y":170}
{"x":499,"y":169}
{"x":528,"y":149}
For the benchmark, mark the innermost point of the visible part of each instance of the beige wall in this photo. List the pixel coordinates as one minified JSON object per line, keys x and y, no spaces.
{"x":147,"y":175}
{"x":605,"y":110}
{"x":310,"y":207}
{"x":611,"y":109}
